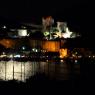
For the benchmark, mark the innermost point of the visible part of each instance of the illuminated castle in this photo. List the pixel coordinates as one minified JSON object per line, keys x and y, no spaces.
{"x":50,"y":29}
{"x":60,"y":31}
{"x":42,"y":53}
{"x":48,"y":42}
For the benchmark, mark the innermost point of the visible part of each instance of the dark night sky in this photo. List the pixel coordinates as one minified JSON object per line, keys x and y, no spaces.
{"x":33,"y":9}
{"x":78,"y":13}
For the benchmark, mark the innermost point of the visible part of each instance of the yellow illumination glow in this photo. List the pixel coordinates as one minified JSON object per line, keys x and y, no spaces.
{"x":52,"y":46}
{"x":63,"y":53}
{"x":7,"y":43}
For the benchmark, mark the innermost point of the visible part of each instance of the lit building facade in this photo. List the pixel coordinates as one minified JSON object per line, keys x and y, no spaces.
{"x":42,"y":53}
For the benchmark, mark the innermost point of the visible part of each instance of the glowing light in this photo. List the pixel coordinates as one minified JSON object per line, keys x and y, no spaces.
{"x":51,"y":46}
{"x":21,"y":70}
{"x":58,"y":34}
{"x":7,"y":43}
{"x":46,"y":33}
{"x":23,"y":48}
{"x":3,"y":53}
{"x":73,"y":55}
{"x":4,"y":27}
{"x":63,"y":53}
{"x":11,"y":56}
{"x":76,"y":61}
{"x":89,"y":56}
{"x":79,"y":56}
{"x":17,"y":56}
{"x":61,"y":60}
{"x":33,"y":49}
{"x":22,"y":32}
{"x":67,"y":34}
{"x":36,"y":50}
{"x":28,"y":34}
{"x":22,"y":56}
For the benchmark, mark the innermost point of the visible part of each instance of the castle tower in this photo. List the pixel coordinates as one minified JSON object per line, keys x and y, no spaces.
{"x":47,"y":24}
{"x":61,"y":26}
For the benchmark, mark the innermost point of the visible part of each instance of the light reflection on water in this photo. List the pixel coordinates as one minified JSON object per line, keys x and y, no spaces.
{"x":21,"y":71}
{"x":17,"y":70}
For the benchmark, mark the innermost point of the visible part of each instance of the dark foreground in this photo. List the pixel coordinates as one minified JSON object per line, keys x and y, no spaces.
{"x":38,"y":84}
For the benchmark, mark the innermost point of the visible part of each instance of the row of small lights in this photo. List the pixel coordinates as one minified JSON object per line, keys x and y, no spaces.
{"x":92,"y":56}
{"x":4,"y":27}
